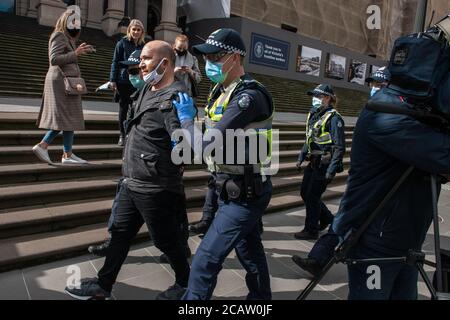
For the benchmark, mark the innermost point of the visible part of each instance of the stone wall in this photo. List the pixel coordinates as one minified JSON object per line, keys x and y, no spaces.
{"x":339,"y":22}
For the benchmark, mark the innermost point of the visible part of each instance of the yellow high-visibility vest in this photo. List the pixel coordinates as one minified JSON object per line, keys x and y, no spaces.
{"x":214,"y":114}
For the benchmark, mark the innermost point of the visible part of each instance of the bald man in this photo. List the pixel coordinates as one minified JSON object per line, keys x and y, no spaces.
{"x":151,"y":190}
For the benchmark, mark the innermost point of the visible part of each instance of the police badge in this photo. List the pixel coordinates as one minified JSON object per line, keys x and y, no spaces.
{"x":244,"y":101}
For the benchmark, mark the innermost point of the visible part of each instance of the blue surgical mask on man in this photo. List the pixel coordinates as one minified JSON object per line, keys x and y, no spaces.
{"x":214,"y":71}
{"x":136,"y":81}
{"x":316,"y":103}
{"x":153,"y":78}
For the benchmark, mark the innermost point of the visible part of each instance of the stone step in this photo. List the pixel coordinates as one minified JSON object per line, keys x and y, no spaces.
{"x":16,"y":174}
{"x":38,"y":95}
{"x":23,"y":251}
{"x":30,"y":137}
{"x":24,"y":154}
{"x":42,"y":193}
{"x":74,"y":213}
{"x":27,"y":121}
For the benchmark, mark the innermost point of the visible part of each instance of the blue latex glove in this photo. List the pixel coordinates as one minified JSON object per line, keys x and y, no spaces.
{"x":185,"y":107}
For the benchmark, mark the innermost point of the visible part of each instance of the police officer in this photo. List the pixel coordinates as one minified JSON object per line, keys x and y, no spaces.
{"x":324,"y":149}
{"x":244,"y":190}
{"x":152,"y":189}
{"x":378,"y":80}
{"x":323,"y":249}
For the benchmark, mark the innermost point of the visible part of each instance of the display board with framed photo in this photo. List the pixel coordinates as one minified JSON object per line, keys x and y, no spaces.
{"x":308,"y":61}
{"x":335,"y":67}
{"x":357,"y":72}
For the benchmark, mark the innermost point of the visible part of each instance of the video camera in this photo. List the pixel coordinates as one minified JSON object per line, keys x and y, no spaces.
{"x":420,"y":77}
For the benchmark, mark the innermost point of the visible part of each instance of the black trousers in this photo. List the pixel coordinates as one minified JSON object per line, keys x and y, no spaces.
{"x":160,"y":212}
{"x":125,"y":91}
{"x":313,"y":186}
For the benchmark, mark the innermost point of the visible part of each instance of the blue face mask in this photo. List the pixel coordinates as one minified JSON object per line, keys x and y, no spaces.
{"x":137,"y":82}
{"x":214,"y":71}
{"x":316,"y":103}
{"x":374,"y":91}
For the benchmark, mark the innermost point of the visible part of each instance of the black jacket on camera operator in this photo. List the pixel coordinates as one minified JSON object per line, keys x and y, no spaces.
{"x":384,"y":147}
{"x":324,"y":149}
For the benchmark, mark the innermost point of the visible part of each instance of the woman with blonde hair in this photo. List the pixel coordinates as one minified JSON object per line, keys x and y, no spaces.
{"x":61,"y":111}
{"x":119,"y":77}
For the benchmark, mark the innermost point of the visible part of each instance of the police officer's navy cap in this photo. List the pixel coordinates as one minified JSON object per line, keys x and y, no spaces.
{"x":135,"y":58}
{"x":222,"y":40}
{"x":322,"y":89}
{"x":381,"y":75}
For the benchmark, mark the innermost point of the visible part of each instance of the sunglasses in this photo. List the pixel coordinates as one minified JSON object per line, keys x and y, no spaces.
{"x":133,"y":71}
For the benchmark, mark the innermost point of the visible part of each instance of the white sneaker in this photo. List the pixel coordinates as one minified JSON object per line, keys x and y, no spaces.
{"x":73,"y":160}
{"x":42,"y":154}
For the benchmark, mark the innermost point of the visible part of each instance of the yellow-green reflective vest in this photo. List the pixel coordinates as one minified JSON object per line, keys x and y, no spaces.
{"x":317,"y":133}
{"x":213,"y":114}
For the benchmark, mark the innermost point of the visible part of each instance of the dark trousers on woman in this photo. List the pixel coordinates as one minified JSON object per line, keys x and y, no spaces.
{"x":313,"y":186}
{"x":159,"y":210}
{"x":125,"y":91}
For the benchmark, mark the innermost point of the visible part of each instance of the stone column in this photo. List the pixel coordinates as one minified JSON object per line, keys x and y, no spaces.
{"x":48,"y":11}
{"x":112,"y":17}
{"x":95,"y":14}
{"x":168,"y":28}
{"x":141,"y":11}
{"x":32,"y":8}
{"x":84,"y":9}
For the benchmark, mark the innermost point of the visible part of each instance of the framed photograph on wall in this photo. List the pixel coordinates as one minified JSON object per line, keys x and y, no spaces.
{"x":335,"y":66}
{"x":357,"y":72}
{"x":308,"y":61}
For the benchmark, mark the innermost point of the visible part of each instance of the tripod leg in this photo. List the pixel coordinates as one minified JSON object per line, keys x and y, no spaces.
{"x":310,"y":287}
{"x":428,"y":283}
{"x":437,"y":243}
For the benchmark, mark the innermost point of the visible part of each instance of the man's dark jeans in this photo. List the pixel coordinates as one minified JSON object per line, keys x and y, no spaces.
{"x":160,"y":211}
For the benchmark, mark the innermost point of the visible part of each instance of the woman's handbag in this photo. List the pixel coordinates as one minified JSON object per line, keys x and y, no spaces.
{"x":73,"y":86}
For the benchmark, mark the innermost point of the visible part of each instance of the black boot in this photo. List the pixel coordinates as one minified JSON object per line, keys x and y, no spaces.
{"x":306,"y":235}
{"x":174,"y":292}
{"x":100,"y":250}
{"x":309,"y":264}
{"x":200,"y":228}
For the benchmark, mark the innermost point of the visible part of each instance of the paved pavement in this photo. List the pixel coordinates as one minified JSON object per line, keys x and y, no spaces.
{"x":142,"y":277}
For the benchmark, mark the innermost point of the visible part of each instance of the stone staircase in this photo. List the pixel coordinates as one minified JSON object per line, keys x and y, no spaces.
{"x":24,"y":64}
{"x":53,"y":212}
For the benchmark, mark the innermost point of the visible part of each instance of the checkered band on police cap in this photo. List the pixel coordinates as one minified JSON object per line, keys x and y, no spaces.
{"x":225,"y":46}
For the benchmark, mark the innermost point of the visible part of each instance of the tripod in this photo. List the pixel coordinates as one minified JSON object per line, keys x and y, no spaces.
{"x":413,"y":258}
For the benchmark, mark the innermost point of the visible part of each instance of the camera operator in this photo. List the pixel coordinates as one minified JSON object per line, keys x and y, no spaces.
{"x":384,"y":147}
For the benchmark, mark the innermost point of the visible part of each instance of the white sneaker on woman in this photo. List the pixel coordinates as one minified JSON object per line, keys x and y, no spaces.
{"x":73,"y":159}
{"x":42,"y":154}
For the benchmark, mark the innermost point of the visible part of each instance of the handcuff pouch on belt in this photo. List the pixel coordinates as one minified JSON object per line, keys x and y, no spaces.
{"x":240,"y":189}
